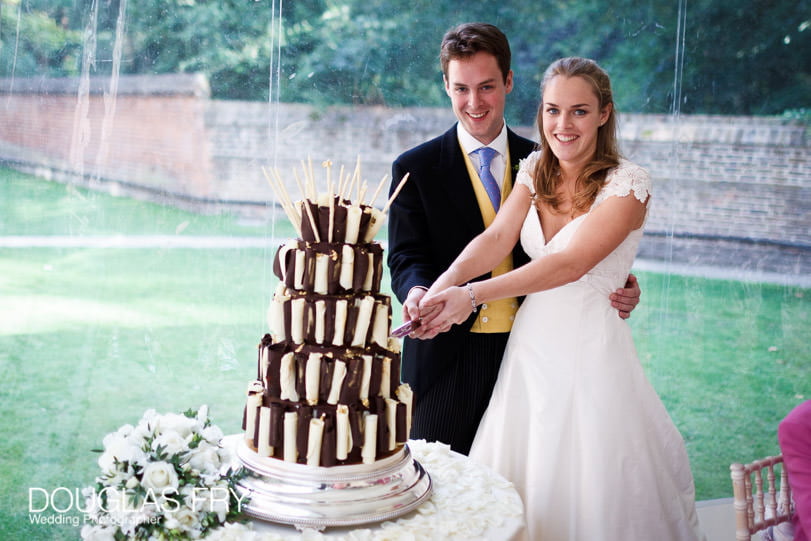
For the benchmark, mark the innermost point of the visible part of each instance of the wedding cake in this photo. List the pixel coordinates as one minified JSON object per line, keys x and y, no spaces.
{"x":328,"y":390}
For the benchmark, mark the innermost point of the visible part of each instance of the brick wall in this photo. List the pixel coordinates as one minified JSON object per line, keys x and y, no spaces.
{"x":718,"y":181}
{"x":149,"y":135}
{"x":738,"y":177}
{"x":729,"y":191}
{"x":244,"y":137}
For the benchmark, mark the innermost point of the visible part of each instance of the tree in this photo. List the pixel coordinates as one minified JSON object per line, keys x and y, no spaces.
{"x":691,"y":57}
{"x":33,"y":41}
{"x":747,"y":57}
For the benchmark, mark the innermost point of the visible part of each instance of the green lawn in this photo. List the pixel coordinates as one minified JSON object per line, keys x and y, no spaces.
{"x":92,"y":337}
{"x":31,"y":206}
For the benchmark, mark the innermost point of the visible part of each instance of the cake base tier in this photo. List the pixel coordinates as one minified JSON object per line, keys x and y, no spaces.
{"x":317,"y":497}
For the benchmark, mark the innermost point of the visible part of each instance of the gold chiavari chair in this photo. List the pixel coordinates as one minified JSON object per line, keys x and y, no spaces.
{"x":762,"y":496}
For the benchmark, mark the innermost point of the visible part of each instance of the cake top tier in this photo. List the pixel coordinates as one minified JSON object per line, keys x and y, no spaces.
{"x":332,"y":215}
{"x":338,"y":221}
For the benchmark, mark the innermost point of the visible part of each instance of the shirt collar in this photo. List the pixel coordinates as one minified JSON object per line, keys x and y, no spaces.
{"x":470,"y":143}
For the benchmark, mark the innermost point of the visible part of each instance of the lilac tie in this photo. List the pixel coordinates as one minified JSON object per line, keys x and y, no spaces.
{"x":486,"y":155}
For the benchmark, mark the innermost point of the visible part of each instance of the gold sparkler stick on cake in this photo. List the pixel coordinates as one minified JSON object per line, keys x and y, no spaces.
{"x":313,"y":223}
{"x":327,"y":164}
{"x":362,"y":192}
{"x":284,"y":199}
{"x":342,"y":190}
{"x":396,"y":193}
{"x":298,"y":183}
{"x":287,"y":200}
{"x":341,"y":181}
{"x":356,"y":175}
{"x":331,"y":196}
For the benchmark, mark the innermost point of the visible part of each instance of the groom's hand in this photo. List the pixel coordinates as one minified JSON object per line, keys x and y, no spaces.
{"x":626,"y":298}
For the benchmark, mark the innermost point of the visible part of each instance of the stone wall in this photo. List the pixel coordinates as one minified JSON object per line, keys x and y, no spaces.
{"x":725,"y":188}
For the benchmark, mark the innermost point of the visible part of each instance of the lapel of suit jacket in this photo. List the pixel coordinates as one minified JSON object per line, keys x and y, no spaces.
{"x":457,"y":183}
{"x":518,"y":151}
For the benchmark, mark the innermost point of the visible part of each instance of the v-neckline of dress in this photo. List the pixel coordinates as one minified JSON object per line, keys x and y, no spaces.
{"x":558,"y":232}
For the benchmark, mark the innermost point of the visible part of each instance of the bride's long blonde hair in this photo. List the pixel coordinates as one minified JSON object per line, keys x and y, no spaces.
{"x":606,"y":156}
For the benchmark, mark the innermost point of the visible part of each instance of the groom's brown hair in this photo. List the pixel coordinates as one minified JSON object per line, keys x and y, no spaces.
{"x":467,"y":39}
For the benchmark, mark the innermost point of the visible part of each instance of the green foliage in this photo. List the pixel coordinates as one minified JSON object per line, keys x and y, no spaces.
{"x":747,"y":57}
{"x":744,"y":57}
{"x":798,"y":114}
{"x":802,"y":115}
{"x":37,"y":42}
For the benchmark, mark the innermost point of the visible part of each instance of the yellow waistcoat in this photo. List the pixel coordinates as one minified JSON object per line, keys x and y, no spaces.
{"x":495,"y":316}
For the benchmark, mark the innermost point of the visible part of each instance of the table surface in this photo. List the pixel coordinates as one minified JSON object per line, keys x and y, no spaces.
{"x":469,"y":501}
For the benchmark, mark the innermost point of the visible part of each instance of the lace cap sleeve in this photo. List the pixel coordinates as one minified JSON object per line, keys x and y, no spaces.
{"x":525,"y":169}
{"x":627,"y":177}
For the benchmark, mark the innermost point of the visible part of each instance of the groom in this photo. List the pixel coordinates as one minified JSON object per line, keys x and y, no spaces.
{"x":441,"y":208}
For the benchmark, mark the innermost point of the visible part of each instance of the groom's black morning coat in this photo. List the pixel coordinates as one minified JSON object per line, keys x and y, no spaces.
{"x":430,"y":222}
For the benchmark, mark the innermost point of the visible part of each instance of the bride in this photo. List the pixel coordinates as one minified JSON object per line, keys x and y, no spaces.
{"x":573,"y":422}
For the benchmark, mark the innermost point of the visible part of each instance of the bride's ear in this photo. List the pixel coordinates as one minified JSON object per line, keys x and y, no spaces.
{"x":605,"y":113}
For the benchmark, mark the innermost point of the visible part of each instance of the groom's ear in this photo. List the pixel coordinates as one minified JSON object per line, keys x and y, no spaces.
{"x":508,"y":82}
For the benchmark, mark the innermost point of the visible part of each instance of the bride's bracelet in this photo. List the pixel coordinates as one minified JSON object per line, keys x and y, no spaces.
{"x":469,"y":287}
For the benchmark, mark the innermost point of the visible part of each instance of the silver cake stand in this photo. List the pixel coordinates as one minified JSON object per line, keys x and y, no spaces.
{"x":307,"y":497}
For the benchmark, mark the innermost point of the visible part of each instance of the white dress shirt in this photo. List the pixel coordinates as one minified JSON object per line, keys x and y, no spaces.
{"x":470,"y":144}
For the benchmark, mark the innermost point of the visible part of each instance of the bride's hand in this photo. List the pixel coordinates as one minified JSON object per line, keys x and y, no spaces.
{"x":427,"y":327}
{"x":448,"y":307}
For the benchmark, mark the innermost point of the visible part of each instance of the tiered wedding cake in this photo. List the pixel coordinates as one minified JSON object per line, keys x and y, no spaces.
{"x":327,"y":407}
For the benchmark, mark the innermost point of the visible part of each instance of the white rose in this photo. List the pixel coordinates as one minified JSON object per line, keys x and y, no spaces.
{"x":174,"y":422}
{"x":143,"y":430}
{"x":207,"y":501}
{"x":117,"y":475}
{"x":227,"y":458}
{"x":205,"y":459}
{"x":117,"y":447}
{"x":212,"y":434}
{"x":160,"y":477}
{"x":172,"y":442}
{"x":185,"y":520}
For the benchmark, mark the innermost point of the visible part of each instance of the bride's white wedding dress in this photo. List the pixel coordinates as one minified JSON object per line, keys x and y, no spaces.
{"x":573,"y":421}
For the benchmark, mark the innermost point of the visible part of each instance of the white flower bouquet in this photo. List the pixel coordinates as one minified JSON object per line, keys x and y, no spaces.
{"x":167,"y":478}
